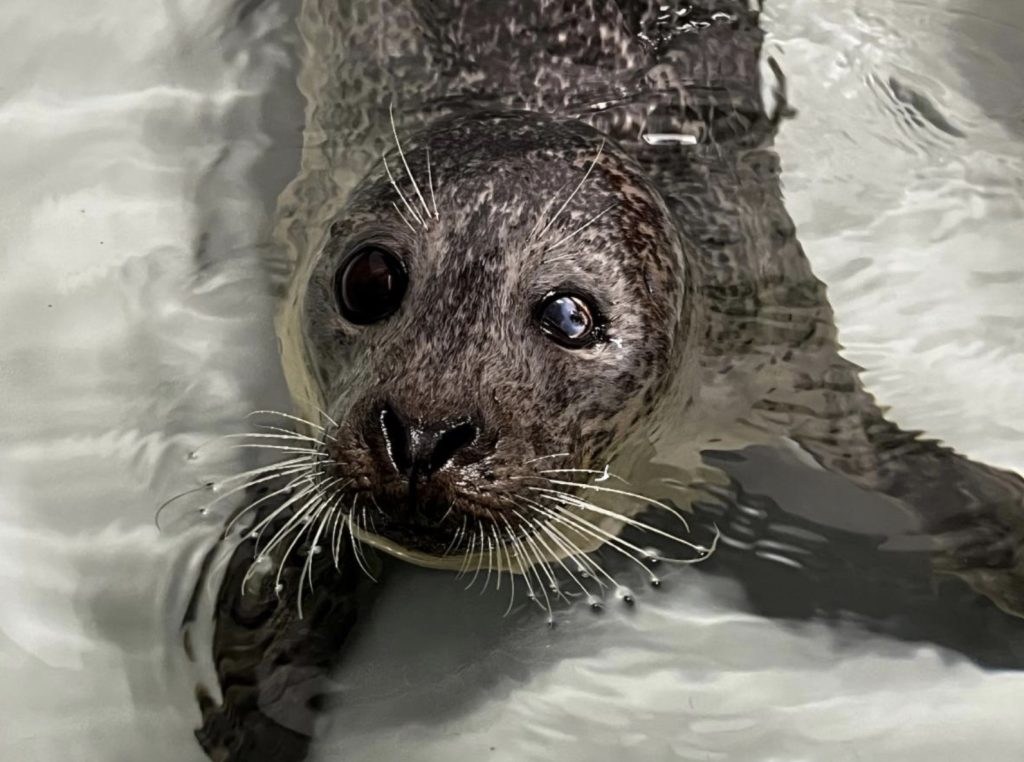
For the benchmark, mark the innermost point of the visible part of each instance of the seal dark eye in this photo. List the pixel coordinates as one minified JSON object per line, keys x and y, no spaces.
{"x":569,"y":320}
{"x":370,"y":285}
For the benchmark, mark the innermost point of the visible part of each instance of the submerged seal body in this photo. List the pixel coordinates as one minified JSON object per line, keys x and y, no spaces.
{"x":530,"y":250}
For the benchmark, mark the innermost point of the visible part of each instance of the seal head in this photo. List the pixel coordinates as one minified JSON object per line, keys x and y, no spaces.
{"x":500,"y":306}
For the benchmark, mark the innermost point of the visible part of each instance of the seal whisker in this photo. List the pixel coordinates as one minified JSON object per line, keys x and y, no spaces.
{"x":479,"y":559}
{"x":576,"y":190}
{"x":306,"y":460}
{"x":490,"y":566}
{"x":280,"y":448}
{"x":357,"y":549}
{"x":401,"y":153}
{"x":567,"y":499}
{"x":293,"y":434}
{"x":584,"y":565}
{"x":311,"y":552}
{"x":497,"y":547}
{"x":551,"y":553}
{"x":561,"y":562}
{"x":257,"y":531}
{"x":276,"y":471}
{"x":593,"y":568}
{"x":325,"y":415}
{"x":464,"y":568}
{"x":456,"y":538}
{"x":280,"y":568}
{"x":529,"y":545}
{"x":404,"y":219}
{"x":616,"y":543}
{"x":521,"y":561}
{"x":430,"y":184}
{"x":545,"y":457}
{"x":340,"y":525}
{"x":279,"y":474}
{"x":301,"y":478}
{"x":289,"y":416}
{"x":582,"y":227}
{"x":300,"y":518}
{"x":409,"y":208}
{"x":511,"y":578}
{"x":625,"y":493}
{"x":602,"y":475}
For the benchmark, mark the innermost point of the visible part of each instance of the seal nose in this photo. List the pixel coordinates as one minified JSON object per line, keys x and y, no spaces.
{"x":420,"y":450}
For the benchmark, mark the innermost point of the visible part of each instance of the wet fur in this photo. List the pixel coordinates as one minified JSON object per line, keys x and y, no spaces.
{"x":722,"y":322}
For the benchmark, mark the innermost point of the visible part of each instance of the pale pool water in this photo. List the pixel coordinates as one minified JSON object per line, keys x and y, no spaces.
{"x":142,"y":147}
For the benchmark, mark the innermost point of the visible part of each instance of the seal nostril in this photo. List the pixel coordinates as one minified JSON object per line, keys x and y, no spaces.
{"x":396,"y":438}
{"x":449,"y":443}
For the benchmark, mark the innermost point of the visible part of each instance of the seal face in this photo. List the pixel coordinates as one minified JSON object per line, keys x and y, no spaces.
{"x":500,"y":302}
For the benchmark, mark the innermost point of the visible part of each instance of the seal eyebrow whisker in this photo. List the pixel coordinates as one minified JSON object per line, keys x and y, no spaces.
{"x":583,"y":227}
{"x":407,"y":223}
{"x":576,"y":190}
{"x":412,"y":212}
{"x":401,"y":153}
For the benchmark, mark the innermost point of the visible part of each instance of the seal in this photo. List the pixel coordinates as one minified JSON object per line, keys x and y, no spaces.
{"x":534,"y":255}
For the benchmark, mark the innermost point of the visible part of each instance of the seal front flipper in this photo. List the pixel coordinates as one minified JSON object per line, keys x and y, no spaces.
{"x":272,"y":664}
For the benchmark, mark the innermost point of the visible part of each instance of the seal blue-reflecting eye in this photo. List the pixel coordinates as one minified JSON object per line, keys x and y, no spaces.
{"x":370,"y":285}
{"x":569,"y":320}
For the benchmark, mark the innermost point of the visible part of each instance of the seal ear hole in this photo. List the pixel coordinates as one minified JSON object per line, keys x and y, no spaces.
{"x":370,"y":285}
{"x":570,"y":319}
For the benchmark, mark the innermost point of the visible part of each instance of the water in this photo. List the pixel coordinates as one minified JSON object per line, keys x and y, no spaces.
{"x":143,"y":149}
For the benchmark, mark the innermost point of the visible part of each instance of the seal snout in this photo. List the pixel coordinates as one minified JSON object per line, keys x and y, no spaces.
{"x":419,"y":449}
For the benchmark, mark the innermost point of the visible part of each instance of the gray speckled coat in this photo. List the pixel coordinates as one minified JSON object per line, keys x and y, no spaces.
{"x":749,"y":351}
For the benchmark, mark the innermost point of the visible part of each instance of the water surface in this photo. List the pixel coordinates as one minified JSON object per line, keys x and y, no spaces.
{"x":143,"y":147}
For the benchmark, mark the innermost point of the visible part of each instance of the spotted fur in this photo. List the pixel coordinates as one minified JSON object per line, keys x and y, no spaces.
{"x":719,"y":336}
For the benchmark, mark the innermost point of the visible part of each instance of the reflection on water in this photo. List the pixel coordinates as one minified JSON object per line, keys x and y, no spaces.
{"x":143,"y":152}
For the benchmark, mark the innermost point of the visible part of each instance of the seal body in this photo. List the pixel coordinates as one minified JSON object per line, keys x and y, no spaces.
{"x":539,"y":249}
